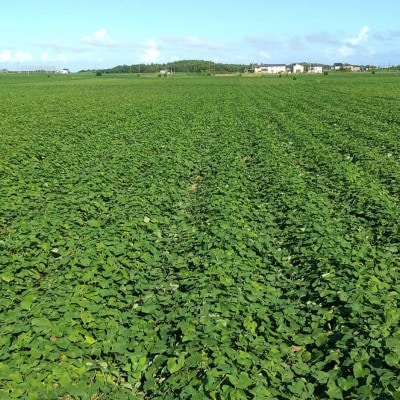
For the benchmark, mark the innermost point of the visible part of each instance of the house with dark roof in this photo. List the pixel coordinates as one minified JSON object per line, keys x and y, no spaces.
{"x":338,"y":66}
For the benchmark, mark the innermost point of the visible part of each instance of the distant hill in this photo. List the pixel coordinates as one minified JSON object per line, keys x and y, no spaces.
{"x":188,"y":66}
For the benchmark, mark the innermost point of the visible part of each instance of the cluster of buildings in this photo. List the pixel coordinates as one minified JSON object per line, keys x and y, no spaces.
{"x":304,"y":67}
{"x":36,"y":70}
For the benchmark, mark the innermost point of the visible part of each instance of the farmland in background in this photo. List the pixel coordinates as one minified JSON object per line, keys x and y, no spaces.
{"x":199,"y":237}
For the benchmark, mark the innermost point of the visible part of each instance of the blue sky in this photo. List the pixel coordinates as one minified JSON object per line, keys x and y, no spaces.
{"x":87,"y":34}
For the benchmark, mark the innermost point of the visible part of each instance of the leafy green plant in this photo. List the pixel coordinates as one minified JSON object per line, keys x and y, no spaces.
{"x":242,"y":245}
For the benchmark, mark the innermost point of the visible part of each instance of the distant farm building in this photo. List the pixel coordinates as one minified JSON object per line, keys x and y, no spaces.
{"x":268,"y":69}
{"x":315,"y":69}
{"x":311,"y":68}
{"x":298,"y":69}
{"x":342,"y":67}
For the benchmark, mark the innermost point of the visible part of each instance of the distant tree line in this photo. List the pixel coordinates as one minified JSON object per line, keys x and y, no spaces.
{"x":188,"y":66}
{"x":201,"y":67}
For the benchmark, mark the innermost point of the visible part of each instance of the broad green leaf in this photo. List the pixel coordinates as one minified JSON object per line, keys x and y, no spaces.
{"x":27,"y":302}
{"x":74,"y":352}
{"x":42,"y":323}
{"x":348,"y":383}
{"x":7,"y":277}
{"x":334,"y":392}
{"x":297,"y":387}
{"x":241,"y":381}
{"x":359,"y":371}
{"x":392,"y":359}
{"x":174,"y":364}
{"x":90,"y":340}
{"x":250,"y":325}
{"x":94,"y":223}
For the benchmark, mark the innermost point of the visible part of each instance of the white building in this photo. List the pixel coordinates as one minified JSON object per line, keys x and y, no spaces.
{"x":270,"y":68}
{"x":315,"y":69}
{"x":298,"y":69}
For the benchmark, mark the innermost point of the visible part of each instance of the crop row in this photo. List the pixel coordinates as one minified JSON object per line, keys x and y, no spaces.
{"x":199,"y":238}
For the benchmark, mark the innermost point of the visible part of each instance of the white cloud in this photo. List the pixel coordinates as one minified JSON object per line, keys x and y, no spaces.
{"x":265,"y":55}
{"x":5,"y":55}
{"x":190,"y":42}
{"x":351,"y":46}
{"x":151,"y":43}
{"x":297,"y":44}
{"x":193,"y":41}
{"x":388,"y":36}
{"x":263,"y":41}
{"x":21,"y":56}
{"x":345,"y":51}
{"x":62,"y":58}
{"x":361,"y":37}
{"x":96,"y":36}
{"x":323,"y":38}
{"x":151,"y":53}
{"x":100,"y":38}
{"x":45,"y":56}
{"x":18,"y":56}
{"x":58,"y":46}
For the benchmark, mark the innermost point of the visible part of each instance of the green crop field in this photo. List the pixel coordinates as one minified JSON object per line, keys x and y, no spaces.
{"x":200,"y":237}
